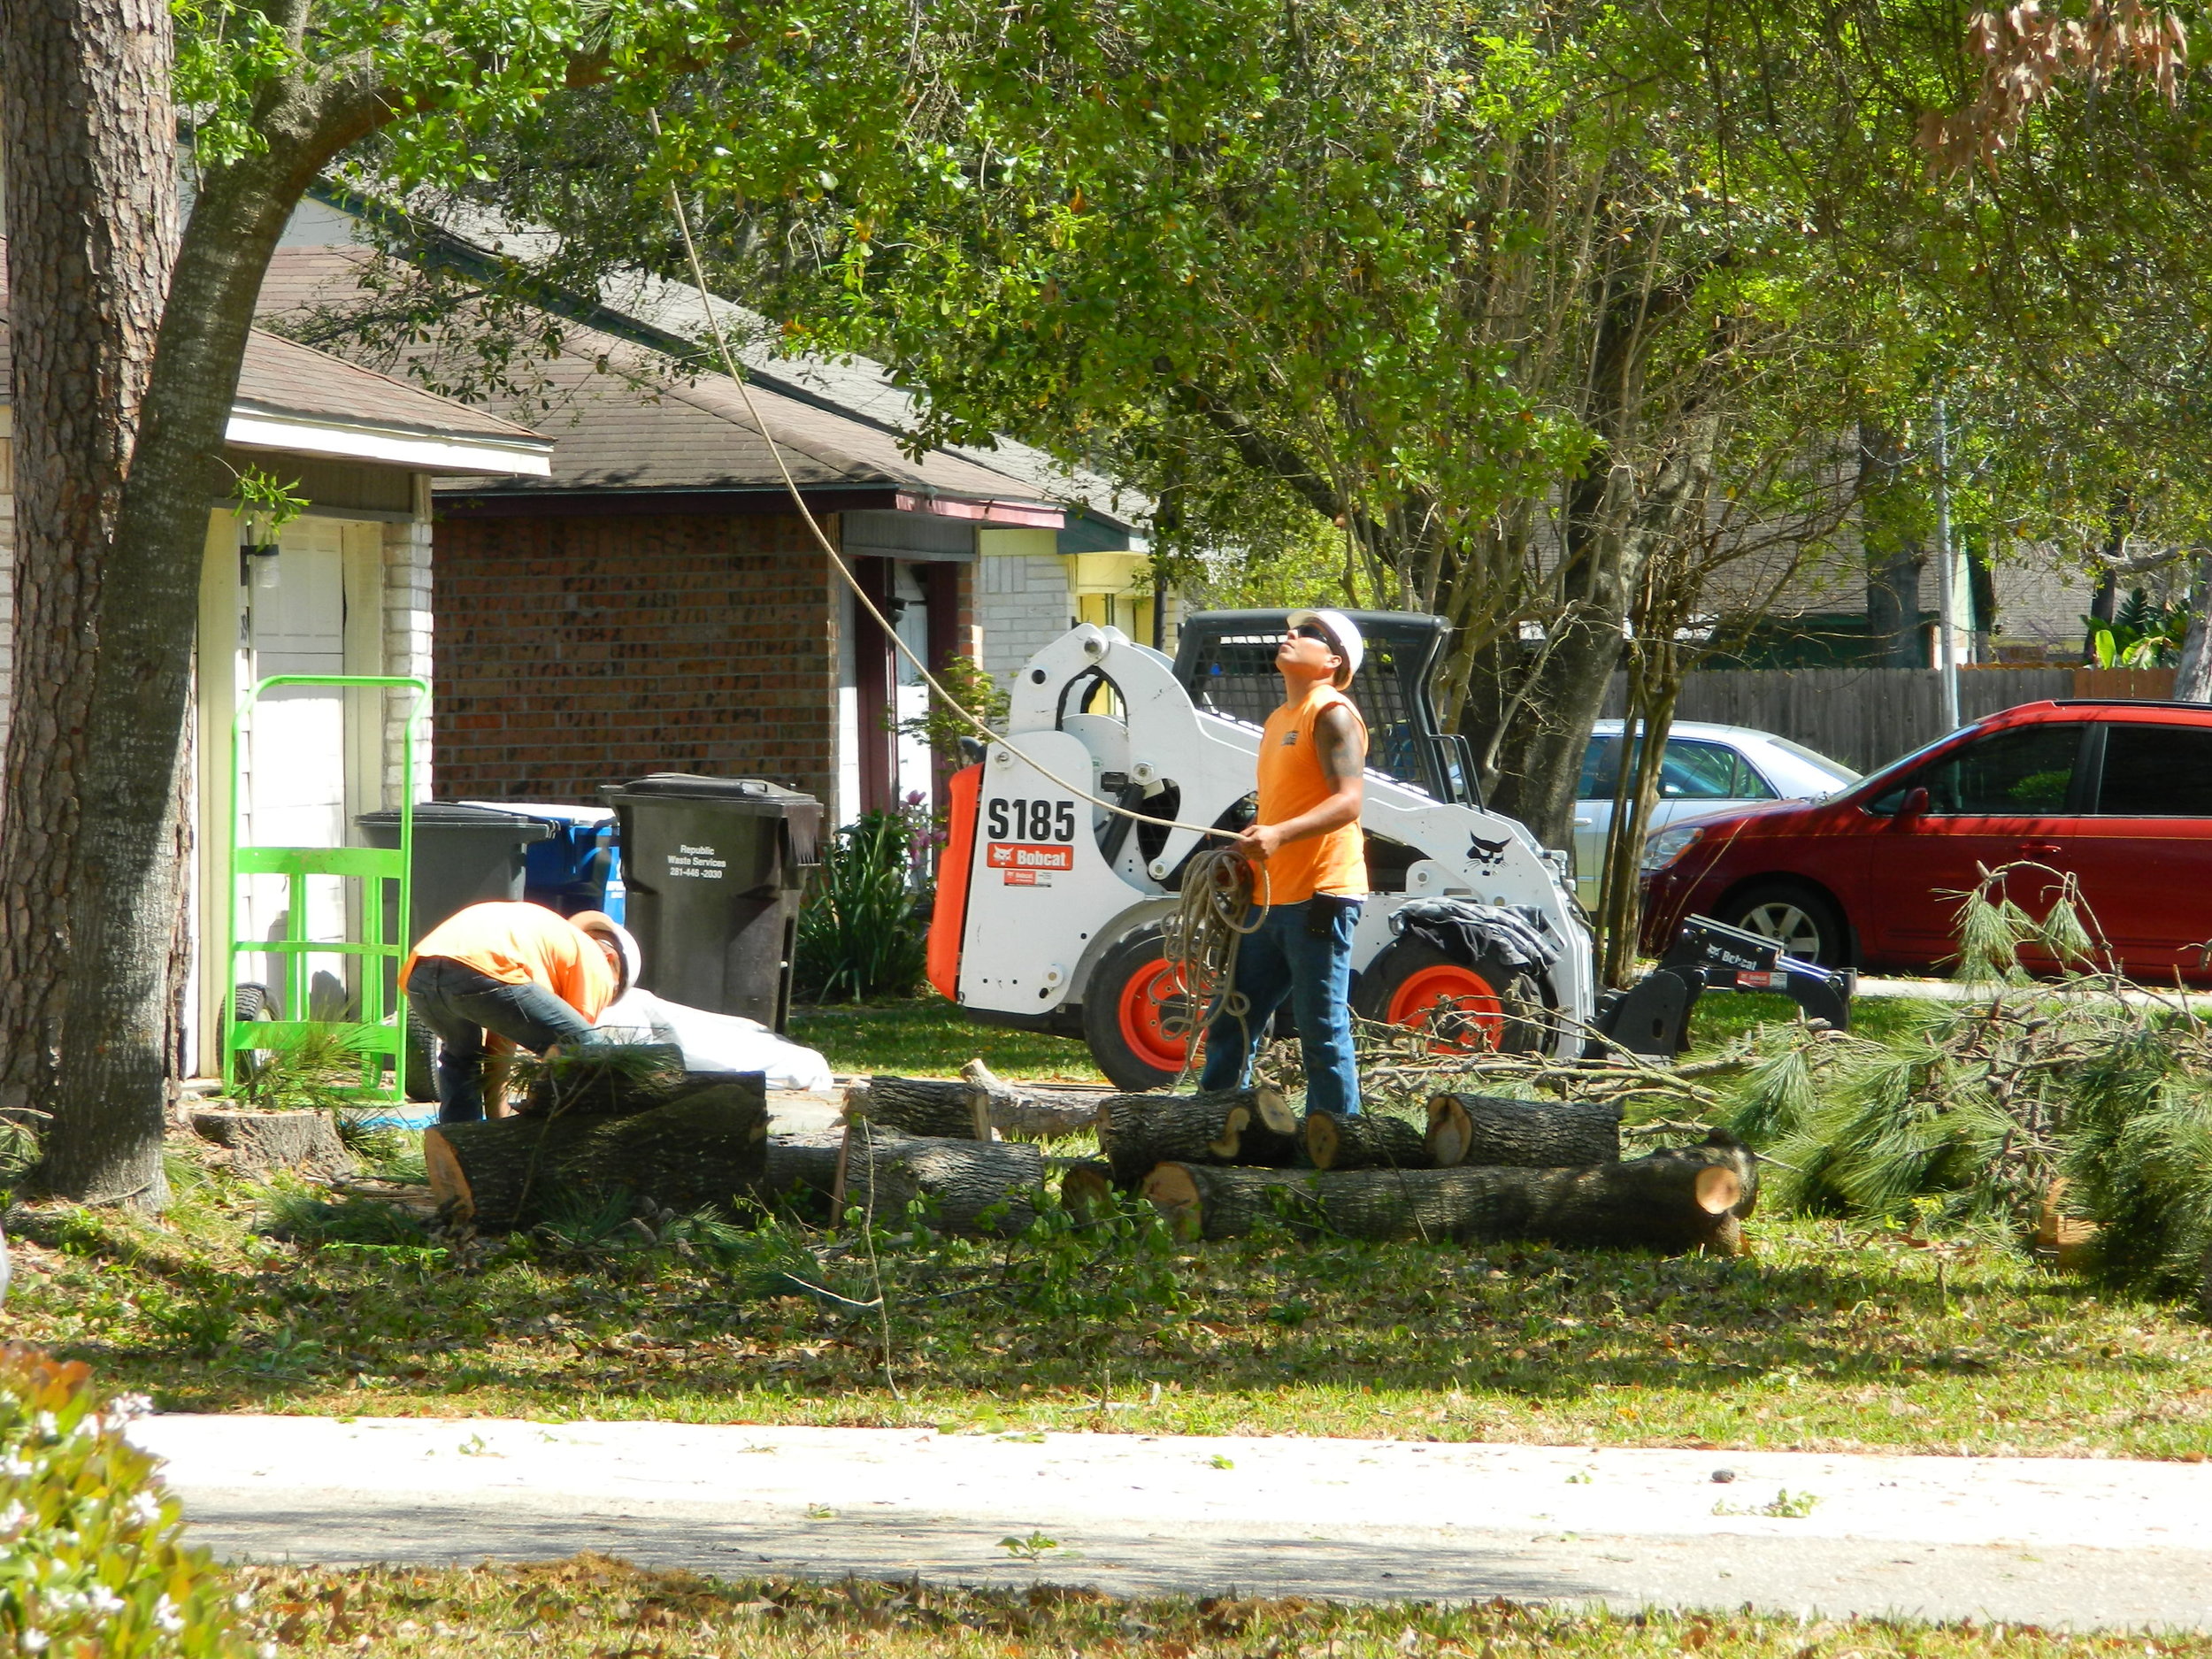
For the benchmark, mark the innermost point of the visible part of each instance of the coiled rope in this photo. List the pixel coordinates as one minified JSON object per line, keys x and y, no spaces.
{"x":1221,"y":890}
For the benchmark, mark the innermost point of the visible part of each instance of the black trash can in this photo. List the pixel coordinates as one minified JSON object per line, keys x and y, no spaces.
{"x":464,"y":855}
{"x":714,"y":869}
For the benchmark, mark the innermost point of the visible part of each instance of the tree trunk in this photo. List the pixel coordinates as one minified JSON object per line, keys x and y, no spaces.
{"x":1485,"y":1129}
{"x":1229,"y":1126}
{"x":1682,"y":1199}
{"x":89,"y":880}
{"x":973,"y":1186}
{"x":1895,"y":551}
{"x":127,"y":349}
{"x":2193,"y":679}
{"x":617,"y":1080}
{"x":1366,"y":1140}
{"x":921,"y":1106}
{"x":1032,"y":1114}
{"x":707,"y":1150}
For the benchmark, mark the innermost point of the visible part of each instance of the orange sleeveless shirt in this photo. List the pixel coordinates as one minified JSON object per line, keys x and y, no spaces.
{"x":1292,"y":782}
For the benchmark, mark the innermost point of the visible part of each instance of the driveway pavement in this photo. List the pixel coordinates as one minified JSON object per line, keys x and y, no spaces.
{"x":2076,"y":1543}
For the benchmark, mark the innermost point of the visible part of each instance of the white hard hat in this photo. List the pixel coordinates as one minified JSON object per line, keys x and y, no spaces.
{"x":1344,"y":631}
{"x":599,"y":924}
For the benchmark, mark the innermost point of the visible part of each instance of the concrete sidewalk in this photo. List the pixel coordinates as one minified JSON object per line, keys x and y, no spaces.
{"x":2077,"y":1543}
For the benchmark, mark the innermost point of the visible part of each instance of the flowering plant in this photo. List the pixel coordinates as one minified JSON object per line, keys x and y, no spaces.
{"x":91,"y":1558}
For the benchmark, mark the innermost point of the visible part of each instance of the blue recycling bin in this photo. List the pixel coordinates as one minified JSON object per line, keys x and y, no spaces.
{"x":579,"y":865}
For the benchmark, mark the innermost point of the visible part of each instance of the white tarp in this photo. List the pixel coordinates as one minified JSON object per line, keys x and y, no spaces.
{"x":718,"y":1042}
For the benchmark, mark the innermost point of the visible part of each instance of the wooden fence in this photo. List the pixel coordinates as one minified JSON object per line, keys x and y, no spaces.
{"x":1868,"y":717}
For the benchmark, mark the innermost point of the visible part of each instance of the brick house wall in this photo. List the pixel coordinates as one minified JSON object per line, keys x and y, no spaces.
{"x":574,"y":651}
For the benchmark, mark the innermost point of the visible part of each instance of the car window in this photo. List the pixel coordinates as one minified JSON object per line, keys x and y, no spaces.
{"x":1748,"y":785}
{"x":1601,"y":770}
{"x":2156,"y":772}
{"x":2028,"y":769}
{"x":1697,"y":772}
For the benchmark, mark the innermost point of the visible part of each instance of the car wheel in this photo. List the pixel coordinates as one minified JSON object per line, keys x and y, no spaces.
{"x":1136,"y":1015}
{"x":1462,"y":1009}
{"x":1805,"y":922}
{"x":419,"y":1078}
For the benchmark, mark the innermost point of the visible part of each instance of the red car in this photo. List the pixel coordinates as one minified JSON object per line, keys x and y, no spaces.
{"x":2118,"y":795}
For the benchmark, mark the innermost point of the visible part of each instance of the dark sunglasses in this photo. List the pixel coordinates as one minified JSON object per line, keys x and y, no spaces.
{"x":1315,"y":631}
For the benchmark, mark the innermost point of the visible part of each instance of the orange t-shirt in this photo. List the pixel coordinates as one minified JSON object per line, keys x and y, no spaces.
{"x":1292,"y":782}
{"x":522,"y":944}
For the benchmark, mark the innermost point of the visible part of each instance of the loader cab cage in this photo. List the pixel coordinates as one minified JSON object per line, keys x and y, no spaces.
{"x":1227,"y":662}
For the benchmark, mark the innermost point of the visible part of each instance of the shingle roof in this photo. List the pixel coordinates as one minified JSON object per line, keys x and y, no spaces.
{"x":625,"y":417}
{"x":282,"y":378}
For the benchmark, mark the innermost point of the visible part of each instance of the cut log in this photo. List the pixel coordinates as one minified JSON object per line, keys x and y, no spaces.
{"x":1683,"y":1199}
{"x":1523,"y":1133}
{"x":1366,"y":1140}
{"x":612,"y":1079}
{"x":800,"y":1164}
{"x":276,"y":1140}
{"x":1086,"y":1189}
{"x":942,"y":1107}
{"x":1251,"y":1127}
{"x":706,"y":1150}
{"x":1030,"y":1114}
{"x":881,"y":1171}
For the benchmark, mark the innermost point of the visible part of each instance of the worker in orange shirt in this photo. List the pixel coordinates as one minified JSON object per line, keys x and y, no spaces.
{"x":502,"y":975}
{"x":1311,"y":871}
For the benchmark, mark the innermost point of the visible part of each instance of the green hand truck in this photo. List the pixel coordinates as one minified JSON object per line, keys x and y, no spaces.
{"x":380,"y":1034}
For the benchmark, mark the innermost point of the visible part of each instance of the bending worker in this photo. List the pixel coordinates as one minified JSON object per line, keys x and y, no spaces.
{"x":1311,"y":871}
{"x":506,"y":975}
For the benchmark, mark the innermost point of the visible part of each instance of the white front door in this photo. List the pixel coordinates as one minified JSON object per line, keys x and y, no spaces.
{"x":294,"y":762}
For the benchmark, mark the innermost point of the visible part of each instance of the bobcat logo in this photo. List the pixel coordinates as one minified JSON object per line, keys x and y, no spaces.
{"x":1482,"y":852}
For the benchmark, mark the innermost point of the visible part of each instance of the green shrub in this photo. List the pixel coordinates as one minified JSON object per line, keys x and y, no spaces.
{"x":864,"y":928}
{"x":91,"y":1560}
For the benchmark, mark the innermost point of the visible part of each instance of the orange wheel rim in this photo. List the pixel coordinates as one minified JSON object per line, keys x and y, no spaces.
{"x":1456,"y":1006}
{"x":1150,"y":997}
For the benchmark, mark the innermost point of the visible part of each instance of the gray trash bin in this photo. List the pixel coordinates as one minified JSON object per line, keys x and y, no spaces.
{"x":714,"y":869}
{"x":464,"y":855}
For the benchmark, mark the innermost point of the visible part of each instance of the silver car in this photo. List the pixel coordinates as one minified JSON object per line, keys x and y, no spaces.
{"x":1707,"y":769}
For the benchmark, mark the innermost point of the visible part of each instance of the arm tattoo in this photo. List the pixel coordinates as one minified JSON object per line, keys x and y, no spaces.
{"x":1339,"y":745}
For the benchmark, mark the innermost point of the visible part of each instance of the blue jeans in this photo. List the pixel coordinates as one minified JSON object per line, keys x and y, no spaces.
{"x":462,"y":1005}
{"x":1285,"y":957}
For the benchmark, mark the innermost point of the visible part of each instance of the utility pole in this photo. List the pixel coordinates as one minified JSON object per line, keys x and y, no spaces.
{"x":1947,"y":577}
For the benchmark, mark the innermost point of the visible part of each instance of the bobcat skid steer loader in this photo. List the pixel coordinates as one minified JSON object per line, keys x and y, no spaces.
{"x":1049,"y":909}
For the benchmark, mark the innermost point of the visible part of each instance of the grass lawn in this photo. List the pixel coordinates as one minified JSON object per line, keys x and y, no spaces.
{"x":930,"y":1037}
{"x":596,"y":1607}
{"x":1828,"y":1337}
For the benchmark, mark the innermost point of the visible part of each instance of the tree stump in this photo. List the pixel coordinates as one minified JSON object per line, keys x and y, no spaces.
{"x":706,"y":1150}
{"x":1366,"y":1140}
{"x":1486,"y":1129}
{"x":1252,"y":1126}
{"x":1683,"y":1199}
{"x":941,"y":1107}
{"x":1031,"y":1114}
{"x":276,"y":1140}
{"x":881,"y":1171}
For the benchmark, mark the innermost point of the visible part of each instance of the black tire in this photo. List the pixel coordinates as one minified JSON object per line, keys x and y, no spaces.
{"x":1120,"y":1014}
{"x":1520,"y":1026}
{"x":1800,"y":917}
{"x":250,"y":1002}
{"x":421,"y":1062}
